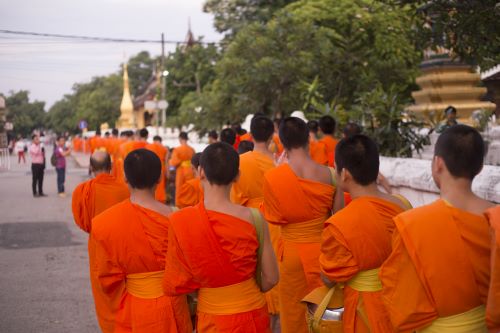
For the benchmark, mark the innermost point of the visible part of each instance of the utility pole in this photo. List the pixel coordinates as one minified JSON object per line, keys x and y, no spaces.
{"x":163,"y":78}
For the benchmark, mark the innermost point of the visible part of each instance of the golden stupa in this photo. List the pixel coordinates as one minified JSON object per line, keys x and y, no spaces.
{"x":444,"y":82}
{"x":126,"y":119}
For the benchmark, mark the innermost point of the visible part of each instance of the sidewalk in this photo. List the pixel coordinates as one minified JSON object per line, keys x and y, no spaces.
{"x":81,"y":159}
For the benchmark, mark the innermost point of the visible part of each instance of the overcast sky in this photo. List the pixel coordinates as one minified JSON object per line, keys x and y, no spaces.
{"x":48,"y":67}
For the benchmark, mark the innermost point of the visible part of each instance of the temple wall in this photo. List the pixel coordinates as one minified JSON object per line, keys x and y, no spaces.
{"x":412,"y":178}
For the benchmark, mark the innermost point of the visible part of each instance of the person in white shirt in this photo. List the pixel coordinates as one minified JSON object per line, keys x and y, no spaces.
{"x":20,"y":148}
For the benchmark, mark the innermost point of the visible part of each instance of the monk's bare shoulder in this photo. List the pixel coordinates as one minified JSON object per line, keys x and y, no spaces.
{"x":395,"y":200}
{"x":479,"y":206}
{"x":162,"y":209}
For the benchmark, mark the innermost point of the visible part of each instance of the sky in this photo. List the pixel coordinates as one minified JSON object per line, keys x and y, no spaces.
{"x":48,"y":67}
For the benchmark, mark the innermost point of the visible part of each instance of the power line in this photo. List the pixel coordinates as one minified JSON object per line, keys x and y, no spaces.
{"x":97,"y":39}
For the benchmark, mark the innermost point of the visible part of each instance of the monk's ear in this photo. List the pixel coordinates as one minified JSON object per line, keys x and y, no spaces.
{"x":345,"y":175}
{"x":201,"y":173}
{"x":438,"y":165}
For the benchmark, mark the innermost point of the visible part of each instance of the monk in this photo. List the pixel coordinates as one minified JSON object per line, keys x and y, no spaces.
{"x":276,"y":146}
{"x":97,"y":142}
{"x":317,"y":149}
{"x":245,"y":147}
{"x":181,"y":160}
{"x":248,"y":190}
{"x":91,"y":198}
{"x":327,"y":125}
{"x":493,"y":306}
{"x":357,"y":240}
{"x":131,"y":243}
{"x":438,"y":273}
{"x":191,"y":193}
{"x":228,"y":135}
{"x":213,"y":137}
{"x":212,"y":249}
{"x":298,"y":197}
{"x":162,"y":152}
{"x":121,"y":152}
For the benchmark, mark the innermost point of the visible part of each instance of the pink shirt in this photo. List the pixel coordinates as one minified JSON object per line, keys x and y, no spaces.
{"x":36,"y":154}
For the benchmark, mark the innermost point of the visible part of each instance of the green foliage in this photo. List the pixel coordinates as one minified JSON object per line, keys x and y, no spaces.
{"x":140,"y":69}
{"x":96,"y":102}
{"x":26,"y":116}
{"x":469,"y":28}
{"x":230,"y":16}
{"x":344,"y":47}
{"x":382,"y":115}
{"x":190,"y":69}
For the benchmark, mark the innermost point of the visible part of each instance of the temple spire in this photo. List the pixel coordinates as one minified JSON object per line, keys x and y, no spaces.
{"x":126,"y":119}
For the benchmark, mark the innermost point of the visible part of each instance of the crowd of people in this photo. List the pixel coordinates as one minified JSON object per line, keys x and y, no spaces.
{"x":262,"y":226}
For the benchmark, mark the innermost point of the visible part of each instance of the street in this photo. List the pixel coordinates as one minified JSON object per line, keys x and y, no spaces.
{"x":44,"y":280}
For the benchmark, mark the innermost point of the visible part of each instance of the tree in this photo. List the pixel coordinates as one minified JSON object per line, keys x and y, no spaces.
{"x":140,"y":69}
{"x":25,"y":115}
{"x":190,"y":70}
{"x":230,"y":16}
{"x":348,"y":46}
{"x":469,"y":28}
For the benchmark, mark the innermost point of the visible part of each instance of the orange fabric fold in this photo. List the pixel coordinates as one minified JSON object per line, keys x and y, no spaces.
{"x":318,"y":152}
{"x":183,"y":173}
{"x":358,"y":239}
{"x":299,"y":253}
{"x":129,"y":240}
{"x":248,"y":192}
{"x":161,"y":152}
{"x":330,"y":144}
{"x":425,"y":278}
{"x":90,"y":199}
{"x":493,"y":305}
{"x":190,"y":194}
{"x":208,"y":249}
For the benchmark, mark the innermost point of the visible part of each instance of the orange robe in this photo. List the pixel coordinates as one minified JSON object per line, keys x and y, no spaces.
{"x":300,"y":207}
{"x":439,"y":265}
{"x":248,"y":192}
{"x":181,"y":159}
{"x":90,"y":199}
{"x":208,"y":249}
{"x":96,"y":142}
{"x":246,"y":137}
{"x":131,"y":239}
{"x":86,"y":146}
{"x":493,"y":306}
{"x":190,"y":194}
{"x":276,"y":145}
{"x":330,"y":144}
{"x":318,"y":153}
{"x":161,"y":152}
{"x":358,"y":238}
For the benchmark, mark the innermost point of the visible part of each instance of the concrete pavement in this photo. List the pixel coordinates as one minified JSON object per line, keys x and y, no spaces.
{"x":44,"y":281}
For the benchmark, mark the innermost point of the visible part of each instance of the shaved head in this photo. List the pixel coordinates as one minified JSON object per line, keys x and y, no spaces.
{"x":100,"y":161}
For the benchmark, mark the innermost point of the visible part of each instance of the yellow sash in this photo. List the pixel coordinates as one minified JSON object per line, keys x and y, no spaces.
{"x":366,"y":281}
{"x":472,"y":321}
{"x":236,"y":298}
{"x":186,"y":164}
{"x":304,"y":232}
{"x":145,"y":285}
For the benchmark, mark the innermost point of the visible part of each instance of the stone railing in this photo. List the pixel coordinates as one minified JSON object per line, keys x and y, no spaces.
{"x":412,"y":178}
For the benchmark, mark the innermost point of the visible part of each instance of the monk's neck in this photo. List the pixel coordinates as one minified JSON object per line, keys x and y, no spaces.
{"x":261,"y":147}
{"x":457,"y":192}
{"x":371,"y":190}
{"x":297,"y":157}
{"x":142,"y":197}
{"x":101,"y":172}
{"x":216,"y":197}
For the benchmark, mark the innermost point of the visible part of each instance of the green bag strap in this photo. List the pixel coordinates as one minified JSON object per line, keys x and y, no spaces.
{"x":258,"y":224}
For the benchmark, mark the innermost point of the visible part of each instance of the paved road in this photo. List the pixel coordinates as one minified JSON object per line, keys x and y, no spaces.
{"x":44,"y":283}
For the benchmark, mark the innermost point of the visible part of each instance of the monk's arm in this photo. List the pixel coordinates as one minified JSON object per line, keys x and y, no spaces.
{"x":403,"y":293}
{"x":338,"y":200}
{"x":110,"y":275}
{"x":78,"y":209}
{"x":336,"y":261}
{"x":271,"y":207}
{"x":270,"y":273}
{"x":178,"y":278}
{"x":493,"y":305}
{"x":175,"y":160}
